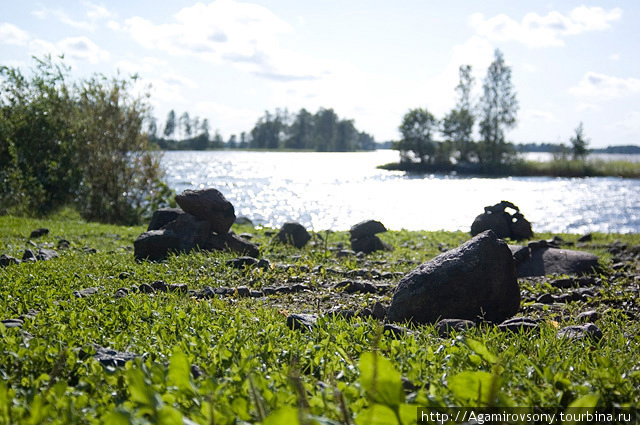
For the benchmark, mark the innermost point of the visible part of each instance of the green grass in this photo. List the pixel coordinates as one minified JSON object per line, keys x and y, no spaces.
{"x":257,"y":370}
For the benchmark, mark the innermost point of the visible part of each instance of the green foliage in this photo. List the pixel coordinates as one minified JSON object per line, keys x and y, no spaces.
{"x":498,"y":111}
{"x":418,"y":129}
{"x":579,"y":144}
{"x":80,"y":144}
{"x":457,"y":126}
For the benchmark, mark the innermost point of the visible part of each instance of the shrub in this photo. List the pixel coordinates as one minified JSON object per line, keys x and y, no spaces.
{"x":79,"y":144}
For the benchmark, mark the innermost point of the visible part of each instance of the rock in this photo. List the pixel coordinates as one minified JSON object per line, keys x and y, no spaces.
{"x":379,"y":311}
{"x":208,"y":205}
{"x":396,"y":331}
{"x":7,"y":260}
{"x":190,"y":231}
{"x":476,"y":281}
{"x":63,"y":244}
{"x":366,"y":228}
{"x":28,"y":255}
{"x":39,"y":233}
{"x":587,"y":330}
{"x":293,"y":233}
{"x":588,"y":316}
{"x":369,"y":244}
{"x":86,"y":292}
{"x":196,"y":371}
{"x":46,"y":254}
{"x":155,"y":245}
{"x":504,"y":224}
{"x":178,"y":287}
{"x":544,"y":260}
{"x":162,"y":217}
{"x":12,"y":323}
{"x":445,"y":326}
{"x":519,"y":324}
{"x":242,"y":262}
{"x":304,"y":322}
{"x":229,"y":241}
{"x":243,"y":221}
{"x":145,"y":288}
{"x":586,"y":238}
{"x":352,"y":286}
{"x":110,"y":357}
{"x":159,"y":285}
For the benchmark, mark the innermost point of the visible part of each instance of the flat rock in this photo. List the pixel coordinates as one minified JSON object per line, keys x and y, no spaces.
{"x":163,"y":216}
{"x":369,"y":244}
{"x":12,"y":323}
{"x":242,"y":262}
{"x":304,"y":322}
{"x":155,"y":245}
{"x":231,"y":242}
{"x":446,"y":326}
{"x":475,"y":281}
{"x":86,"y":292}
{"x":545,"y":260}
{"x":587,"y":330}
{"x":519,"y":324}
{"x":38,"y":233}
{"x":209,"y":205}
{"x":113,"y":358}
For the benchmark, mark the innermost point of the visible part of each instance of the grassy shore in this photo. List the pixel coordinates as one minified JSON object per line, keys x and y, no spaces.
{"x":252,"y":367}
{"x":524,"y":168}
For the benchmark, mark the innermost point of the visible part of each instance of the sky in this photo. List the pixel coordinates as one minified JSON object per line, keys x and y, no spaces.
{"x":371,"y":61}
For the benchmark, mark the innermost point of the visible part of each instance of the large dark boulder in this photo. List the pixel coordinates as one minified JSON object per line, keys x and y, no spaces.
{"x":504,"y":224}
{"x":163,"y":216}
{"x":190,"y":231}
{"x":293,"y":233}
{"x":155,"y":245}
{"x":363,"y":237}
{"x":231,"y":242}
{"x":209,"y":205}
{"x":539,"y":259}
{"x":475,"y":281}
{"x":367,"y":228}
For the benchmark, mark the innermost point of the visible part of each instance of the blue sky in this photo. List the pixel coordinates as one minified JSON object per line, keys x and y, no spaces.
{"x":371,"y":61}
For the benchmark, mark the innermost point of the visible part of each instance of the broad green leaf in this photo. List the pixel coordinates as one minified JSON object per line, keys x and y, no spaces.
{"x":380,"y":380}
{"x":138,"y":388}
{"x":481,"y":350}
{"x":285,"y":415}
{"x":167,"y":415}
{"x":479,"y":386}
{"x":180,"y":372}
{"x":582,"y":405}
{"x":117,"y":417}
{"x":378,"y":414}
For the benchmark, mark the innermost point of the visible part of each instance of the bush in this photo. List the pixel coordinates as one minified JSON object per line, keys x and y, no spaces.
{"x":79,"y":144}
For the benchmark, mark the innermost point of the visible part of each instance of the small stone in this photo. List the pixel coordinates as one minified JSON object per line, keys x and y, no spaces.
{"x":396,"y":331}
{"x":7,"y":260}
{"x":588,"y":316}
{"x":243,"y":291}
{"x":159,"y":285}
{"x":293,"y":233}
{"x":145,"y":288}
{"x":63,"y":244}
{"x":379,"y":311}
{"x":182,"y":288}
{"x":242,"y":262}
{"x":445,"y":326}
{"x":196,"y":371}
{"x":366,"y":228}
{"x":303,"y":322}
{"x":12,"y":323}
{"x":87,"y":292}
{"x":587,"y":330}
{"x":519,"y":324}
{"x":39,"y":233}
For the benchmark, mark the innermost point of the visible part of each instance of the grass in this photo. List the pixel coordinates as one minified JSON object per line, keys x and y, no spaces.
{"x":257,"y":370}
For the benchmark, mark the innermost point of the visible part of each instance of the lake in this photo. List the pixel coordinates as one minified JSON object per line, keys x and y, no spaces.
{"x":336,"y":190}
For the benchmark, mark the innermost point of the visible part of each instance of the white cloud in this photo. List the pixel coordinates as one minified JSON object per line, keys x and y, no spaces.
{"x":94,"y":13}
{"x":605,"y":87}
{"x":544,"y":31}
{"x":11,"y":34}
{"x":229,"y":119}
{"x":83,"y":49}
{"x":226,"y":31}
{"x":584,"y":106}
{"x":535,"y":114}
{"x":614,"y":57}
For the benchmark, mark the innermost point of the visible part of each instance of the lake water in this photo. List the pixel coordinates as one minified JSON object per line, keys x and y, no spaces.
{"x":336,"y":190}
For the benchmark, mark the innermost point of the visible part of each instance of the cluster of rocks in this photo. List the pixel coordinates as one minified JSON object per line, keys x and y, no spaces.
{"x":504,"y":224}
{"x":38,"y":253}
{"x":202,"y":222}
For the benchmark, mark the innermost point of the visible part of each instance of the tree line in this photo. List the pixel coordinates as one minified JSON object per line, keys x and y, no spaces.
{"x":495,"y":112}
{"x":323,"y":131}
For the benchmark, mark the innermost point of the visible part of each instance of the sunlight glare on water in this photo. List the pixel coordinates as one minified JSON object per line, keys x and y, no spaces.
{"x":336,"y":190}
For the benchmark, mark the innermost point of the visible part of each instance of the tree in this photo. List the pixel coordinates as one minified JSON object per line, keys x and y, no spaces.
{"x":301,"y":132}
{"x":185,"y":125}
{"x":457,"y":126}
{"x":326,"y":122}
{"x":170,"y":126}
{"x":579,"y":144}
{"x":498,"y":111}
{"x":417,"y":128}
